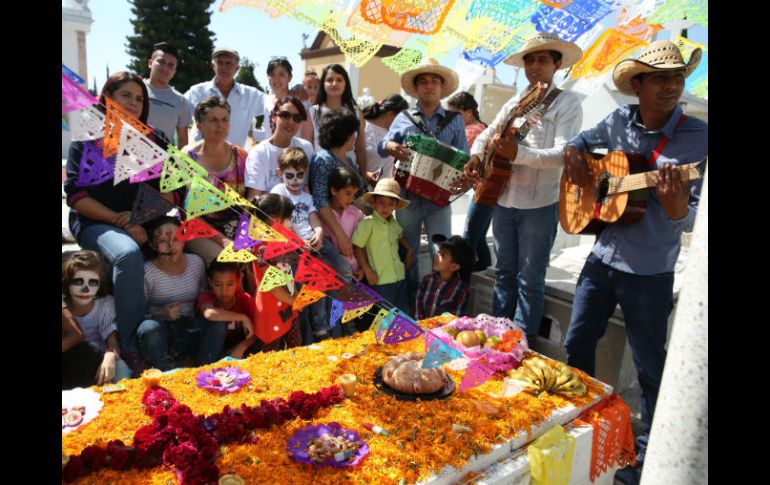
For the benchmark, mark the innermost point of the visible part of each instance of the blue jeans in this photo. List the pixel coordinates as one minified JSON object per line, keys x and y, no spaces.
{"x":125,"y":257}
{"x":476,"y":226}
{"x":161,"y":342}
{"x":647,"y":302}
{"x":333,"y":258}
{"x":523,"y":242}
{"x":394,"y":293}
{"x":438,"y":220}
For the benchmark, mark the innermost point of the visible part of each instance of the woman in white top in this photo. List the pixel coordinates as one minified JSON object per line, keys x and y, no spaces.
{"x":262,"y":162}
{"x":335,"y":91}
{"x":279,"y":76}
{"x":379,"y":117}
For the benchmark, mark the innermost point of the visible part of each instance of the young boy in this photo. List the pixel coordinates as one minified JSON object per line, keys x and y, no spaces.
{"x":375,"y":244}
{"x":446,"y":289}
{"x":227,"y":302}
{"x":292,"y":169}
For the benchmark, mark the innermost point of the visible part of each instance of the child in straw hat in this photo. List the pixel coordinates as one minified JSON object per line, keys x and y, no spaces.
{"x":375,"y":244}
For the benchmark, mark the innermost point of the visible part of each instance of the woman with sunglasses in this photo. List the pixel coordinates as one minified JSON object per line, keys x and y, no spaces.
{"x":279,"y":75}
{"x":262,"y":163}
{"x":100,"y":212}
{"x":226,"y":164}
{"x":334,"y":92}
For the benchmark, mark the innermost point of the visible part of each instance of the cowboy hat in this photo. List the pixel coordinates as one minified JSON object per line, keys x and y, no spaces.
{"x":430,"y":66}
{"x":661,"y":55}
{"x":546,"y":41}
{"x":388,"y":188}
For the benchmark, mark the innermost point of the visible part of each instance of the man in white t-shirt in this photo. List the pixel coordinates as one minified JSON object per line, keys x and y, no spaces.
{"x":169,"y":110}
{"x":245,"y":102}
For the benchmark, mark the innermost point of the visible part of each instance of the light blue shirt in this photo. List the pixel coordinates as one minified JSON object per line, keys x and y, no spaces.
{"x":245,"y":102}
{"x":452,"y":134}
{"x":651,"y":245}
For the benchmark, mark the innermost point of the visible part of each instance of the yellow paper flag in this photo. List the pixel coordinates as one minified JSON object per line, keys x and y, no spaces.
{"x":305,"y":297}
{"x":378,"y":319}
{"x":260,"y":231}
{"x":273,"y":278}
{"x":231,"y":194}
{"x":602,"y":56}
{"x":204,"y":198}
{"x":355,"y":313}
{"x":229,"y":255}
{"x":179,"y":170}
{"x":550,"y":457}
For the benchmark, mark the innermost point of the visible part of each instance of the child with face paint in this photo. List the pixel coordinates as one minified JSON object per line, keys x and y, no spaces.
{"x":171,"y":334}
{"x":96,"y":359}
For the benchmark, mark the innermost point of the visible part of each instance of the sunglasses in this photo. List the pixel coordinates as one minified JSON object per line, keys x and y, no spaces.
{"x":290,"y":175}
{"x":287,"y":115}
{"x":81,"y":281}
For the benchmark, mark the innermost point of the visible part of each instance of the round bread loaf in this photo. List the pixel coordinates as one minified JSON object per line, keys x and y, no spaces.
{"x":404,"y":373}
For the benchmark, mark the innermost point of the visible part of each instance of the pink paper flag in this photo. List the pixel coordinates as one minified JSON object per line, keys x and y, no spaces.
{"x":476,"y":374}
{"x":73,"y":96}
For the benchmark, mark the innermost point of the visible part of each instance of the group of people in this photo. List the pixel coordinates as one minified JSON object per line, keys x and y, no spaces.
{"x":324,"y":169}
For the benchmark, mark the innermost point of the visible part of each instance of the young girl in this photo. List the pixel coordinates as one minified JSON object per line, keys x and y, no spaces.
{"x":343,"y":185}
{"x":276,"y":323}
{"x":96,"y":360}
{"x":279,"y":75}
{"x":172,"y":281}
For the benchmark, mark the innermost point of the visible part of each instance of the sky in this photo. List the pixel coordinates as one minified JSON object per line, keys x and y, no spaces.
{"x":249,"y":30}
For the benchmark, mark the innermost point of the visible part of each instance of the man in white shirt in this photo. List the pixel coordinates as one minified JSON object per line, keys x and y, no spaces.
{"x":169,"y":110}
{"x":245,"y":102}
{"x":526,"y":215}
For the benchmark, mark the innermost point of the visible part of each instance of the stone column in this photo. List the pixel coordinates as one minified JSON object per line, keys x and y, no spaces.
{"x":678,"y":449}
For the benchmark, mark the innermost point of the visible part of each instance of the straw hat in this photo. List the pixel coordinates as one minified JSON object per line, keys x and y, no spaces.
{"x":661,"y":55}
{"x":430,"y":66}
{"x":546,"y":41}
{"x":388,"y":188}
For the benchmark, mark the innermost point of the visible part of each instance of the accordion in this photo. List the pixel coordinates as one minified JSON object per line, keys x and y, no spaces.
{"x":434,"y":169}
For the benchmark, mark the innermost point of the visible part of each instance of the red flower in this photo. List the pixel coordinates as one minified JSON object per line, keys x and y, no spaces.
{"x":120,"y":454}
{"x":74,"y":469}
{"x":202,"y":473}
{"x":181,"y":456}
{"x":157,"y":401}
{"x":93,"y":457}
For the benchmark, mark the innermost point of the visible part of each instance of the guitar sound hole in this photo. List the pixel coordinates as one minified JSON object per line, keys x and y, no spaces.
{"x":602,"y":186}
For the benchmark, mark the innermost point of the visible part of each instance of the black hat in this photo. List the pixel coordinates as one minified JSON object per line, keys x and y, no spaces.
{"x":461,"y":251}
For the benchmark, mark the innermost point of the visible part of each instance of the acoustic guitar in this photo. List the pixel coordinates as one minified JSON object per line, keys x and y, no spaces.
{"x":618,"y":192}
{"x":494,"y":170}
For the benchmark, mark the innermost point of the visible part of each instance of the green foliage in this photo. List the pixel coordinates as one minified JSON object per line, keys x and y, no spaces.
{"x":246,"y":74}
{"x":181,"y":23}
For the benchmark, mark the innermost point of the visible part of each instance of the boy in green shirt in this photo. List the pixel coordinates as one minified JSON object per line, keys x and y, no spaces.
{"x":375,"y":244}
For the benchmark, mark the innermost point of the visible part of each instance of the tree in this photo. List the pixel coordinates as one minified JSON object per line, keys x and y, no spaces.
{"x":246,"y":74}
{"x":181,"y":23}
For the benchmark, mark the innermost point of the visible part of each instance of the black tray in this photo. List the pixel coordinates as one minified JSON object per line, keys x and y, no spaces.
{"x":443,"y":393}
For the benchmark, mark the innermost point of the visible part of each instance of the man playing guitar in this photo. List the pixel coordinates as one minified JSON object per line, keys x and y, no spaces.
{"x":526,"y":215}
{"x":633,"y":265}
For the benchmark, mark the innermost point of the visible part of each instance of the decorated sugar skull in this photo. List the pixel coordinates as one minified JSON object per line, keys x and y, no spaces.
{"x":332,"y":444}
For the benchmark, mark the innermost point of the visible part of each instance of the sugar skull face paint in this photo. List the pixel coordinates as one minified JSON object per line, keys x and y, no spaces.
{"x":84,"y":286}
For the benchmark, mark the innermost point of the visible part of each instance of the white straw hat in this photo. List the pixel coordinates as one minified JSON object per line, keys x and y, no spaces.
{"x":546,"y":41}
{"x":661,"y":55}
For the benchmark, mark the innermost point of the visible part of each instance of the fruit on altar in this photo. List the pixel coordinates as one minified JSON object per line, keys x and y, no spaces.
{"x":537,"y":375}
{"x":482,"y":337}
{"x":468,"y":338}
{"x":452,"y":331}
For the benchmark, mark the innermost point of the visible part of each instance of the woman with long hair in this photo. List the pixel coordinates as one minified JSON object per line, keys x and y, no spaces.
{"x":335,"y":91}
{"x":100,"y":213}
{"x":279,"y":75}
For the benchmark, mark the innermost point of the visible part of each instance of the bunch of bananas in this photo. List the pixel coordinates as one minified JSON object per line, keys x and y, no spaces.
{"x":535,"y":374}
